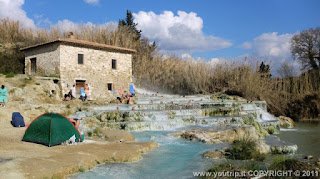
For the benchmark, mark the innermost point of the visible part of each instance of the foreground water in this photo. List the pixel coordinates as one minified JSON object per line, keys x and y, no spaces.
{"x":306,"y":136}
{"x":175,"y":158}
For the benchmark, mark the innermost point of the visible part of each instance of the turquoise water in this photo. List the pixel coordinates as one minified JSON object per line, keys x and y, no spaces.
{"x":306,"y":136}
{"x":174,"y":158}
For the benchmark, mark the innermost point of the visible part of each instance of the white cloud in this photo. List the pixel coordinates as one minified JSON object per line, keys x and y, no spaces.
{"x":217,"y":61}
{"x":12,"y":9}
{"x":68,"y":26}
{"x":272,"y":45}
{"x":177,"y":33}
{"x":186,"y":56}
{"x":245,"y":45}
{"x":92,"y":1}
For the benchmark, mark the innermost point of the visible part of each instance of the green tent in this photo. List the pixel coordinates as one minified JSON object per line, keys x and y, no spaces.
{"x":50,"y":129}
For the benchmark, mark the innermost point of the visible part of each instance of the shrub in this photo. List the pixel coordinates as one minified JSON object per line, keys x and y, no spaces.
{"x":283,"y":163}
{"x":81,"y":169}
{"x":10,"y":75}
{"x":270,"y":130}
{"x":245,"y":149}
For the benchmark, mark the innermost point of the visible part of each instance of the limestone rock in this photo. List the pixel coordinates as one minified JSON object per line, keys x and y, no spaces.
{"x":284,"y":149}
{"x":220,"y":135}
{"x":103,"y":117}
{"x":214,"y":154}
{"x":286,"y":122}
{"x":16,"y":94}
{"x":262,"y":147}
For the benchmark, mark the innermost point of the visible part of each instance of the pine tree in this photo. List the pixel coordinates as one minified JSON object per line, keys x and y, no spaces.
{"x":130,"y":24}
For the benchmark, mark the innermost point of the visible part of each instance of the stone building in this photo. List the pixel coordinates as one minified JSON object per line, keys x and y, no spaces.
{"x":103,"y":67}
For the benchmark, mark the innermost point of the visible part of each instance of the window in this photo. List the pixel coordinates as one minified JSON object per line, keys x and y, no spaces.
{"x":110,"y":86}
{"x":114,"y":64}
{"x":80,"y":58}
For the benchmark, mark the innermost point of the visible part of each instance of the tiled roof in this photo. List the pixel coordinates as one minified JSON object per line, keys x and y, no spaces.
{"x":84,"y":44}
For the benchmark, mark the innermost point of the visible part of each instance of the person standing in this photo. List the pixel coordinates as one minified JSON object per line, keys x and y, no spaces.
{"x":87,"y":91}
{"x":3,"y":96}
{"x":74,"y":91}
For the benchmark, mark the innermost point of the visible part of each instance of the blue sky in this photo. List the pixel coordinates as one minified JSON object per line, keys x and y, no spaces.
{"x":207,"y":29}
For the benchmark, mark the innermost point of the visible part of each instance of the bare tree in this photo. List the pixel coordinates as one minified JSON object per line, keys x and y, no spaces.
{"x":286,"y":70}
{"x":305,"y":47}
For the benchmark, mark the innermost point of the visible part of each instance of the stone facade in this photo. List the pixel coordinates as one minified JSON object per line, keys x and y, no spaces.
{"x":61,"y":59}
{"x":47,"y":60}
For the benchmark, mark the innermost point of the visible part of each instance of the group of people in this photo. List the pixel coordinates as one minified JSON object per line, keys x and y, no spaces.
{"x":85,"y":93}
{"x":3,"y":96}
{"x":126,"y":98}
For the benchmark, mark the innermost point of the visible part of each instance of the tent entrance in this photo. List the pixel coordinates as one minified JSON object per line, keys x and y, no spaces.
{"x":80,"y":84}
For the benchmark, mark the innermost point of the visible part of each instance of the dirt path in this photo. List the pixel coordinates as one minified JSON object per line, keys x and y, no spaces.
{"x":28,"y":160}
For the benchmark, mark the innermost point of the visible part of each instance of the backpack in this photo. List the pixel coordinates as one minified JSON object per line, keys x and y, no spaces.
{"x":17,"y":120}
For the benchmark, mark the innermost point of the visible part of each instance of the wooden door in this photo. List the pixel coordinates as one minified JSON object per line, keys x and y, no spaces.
{"x":80,"y":84}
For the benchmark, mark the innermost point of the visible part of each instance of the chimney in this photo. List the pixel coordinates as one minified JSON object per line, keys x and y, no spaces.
{"x":71,"y":36}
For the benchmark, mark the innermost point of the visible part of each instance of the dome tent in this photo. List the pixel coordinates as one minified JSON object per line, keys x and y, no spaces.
{"x":50,"y":129}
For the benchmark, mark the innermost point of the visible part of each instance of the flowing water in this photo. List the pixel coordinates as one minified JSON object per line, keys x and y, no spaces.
{"x":174,"y":158}
{"x":179,"y":158}
{"x":306,"y":136}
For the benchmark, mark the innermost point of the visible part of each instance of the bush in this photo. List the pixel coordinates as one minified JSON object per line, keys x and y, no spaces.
{"x":10,"y":75}
{"x":245,"y":149}
{"x":283,"y":163}
{"x":81,"y":169}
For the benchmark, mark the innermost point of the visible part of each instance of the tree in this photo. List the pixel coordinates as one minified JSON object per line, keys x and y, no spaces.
{"x":264,"y":70}
{"x":128,"y":21}
{"x":305,"y":47}
{"x":286,"y":70}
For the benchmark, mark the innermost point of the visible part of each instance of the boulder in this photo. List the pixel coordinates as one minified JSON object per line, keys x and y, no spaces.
{"x":214,"y":154}
{"x":286,"y":122}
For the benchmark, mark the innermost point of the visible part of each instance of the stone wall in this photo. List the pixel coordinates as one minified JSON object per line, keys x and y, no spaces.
{"x":96,"y":70}
{"x":47,"y":59}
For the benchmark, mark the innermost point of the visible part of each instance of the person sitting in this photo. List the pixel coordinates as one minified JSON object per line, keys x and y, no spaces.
{"x":71,"y":95}
{"x":68,"y":97}
{"x":75,"y":122}
{"x":83,"y":95}
{"x":130,"y":101}
{"x":120,"y":100}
